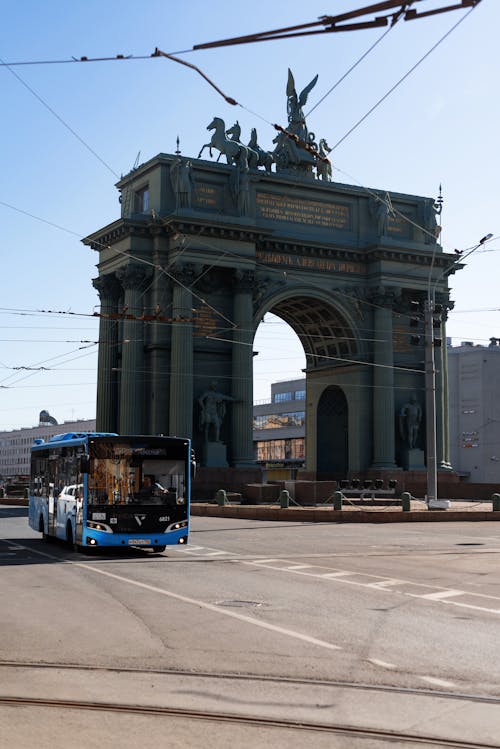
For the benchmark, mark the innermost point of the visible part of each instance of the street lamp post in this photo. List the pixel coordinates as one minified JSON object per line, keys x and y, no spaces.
{"x":430,"y":312}
{"x":430,"y":400}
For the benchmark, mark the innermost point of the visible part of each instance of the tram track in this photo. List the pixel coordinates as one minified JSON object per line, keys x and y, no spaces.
{"x":247,"y":720}
{"x":249,"y":677}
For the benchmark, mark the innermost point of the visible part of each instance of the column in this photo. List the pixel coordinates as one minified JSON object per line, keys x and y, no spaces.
{"x":161,"y":300}
{"x":181,"y":355}
{"x":383,"y":382}
{"x":108,"y":289}
{"x":242,"y":370}
{"x":132,"y":278}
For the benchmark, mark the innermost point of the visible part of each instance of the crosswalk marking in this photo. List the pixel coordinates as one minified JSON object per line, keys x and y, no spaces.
{"x":374,"y":583}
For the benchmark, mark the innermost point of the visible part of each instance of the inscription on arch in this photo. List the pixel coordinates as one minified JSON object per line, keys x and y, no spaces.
{"x":294,"y":210}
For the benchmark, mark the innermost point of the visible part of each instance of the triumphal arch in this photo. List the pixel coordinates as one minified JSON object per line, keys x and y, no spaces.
{"x":204,"y":249}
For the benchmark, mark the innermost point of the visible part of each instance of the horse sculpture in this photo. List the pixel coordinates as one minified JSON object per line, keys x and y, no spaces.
{"x":234,"y":151}
{"x":234,"y":133}
{"x":324,"y":168}
{"x":265,"y":158}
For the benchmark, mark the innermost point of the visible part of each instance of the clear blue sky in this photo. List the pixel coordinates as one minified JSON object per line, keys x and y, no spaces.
{"x":439,"y":126}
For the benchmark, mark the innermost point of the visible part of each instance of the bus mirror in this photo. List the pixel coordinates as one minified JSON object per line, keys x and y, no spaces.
{"x":193,"y":464}
{"x":84,"y":464}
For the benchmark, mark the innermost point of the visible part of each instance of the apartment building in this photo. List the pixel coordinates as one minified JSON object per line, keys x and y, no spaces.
{"x":15,"y":445}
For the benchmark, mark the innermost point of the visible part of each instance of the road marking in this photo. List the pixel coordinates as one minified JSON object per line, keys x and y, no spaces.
{"x":201,"y":551}
{"x":439,"y":595}
{"x":383,"y":584}
{"x":438,"y":682}
{"x":471,"y":606}
{"x":193,"y":601}
{"x":383,"y":664}
{"x":336,"y":574}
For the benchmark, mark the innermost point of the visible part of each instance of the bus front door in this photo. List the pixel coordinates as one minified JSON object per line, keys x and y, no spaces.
{"x":52,"y":514}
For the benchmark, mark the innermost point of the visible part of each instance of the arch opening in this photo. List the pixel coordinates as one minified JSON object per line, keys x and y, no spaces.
{"x":322,"y":343}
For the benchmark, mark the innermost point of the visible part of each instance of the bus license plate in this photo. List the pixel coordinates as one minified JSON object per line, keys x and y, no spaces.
{"x":139,"y":542}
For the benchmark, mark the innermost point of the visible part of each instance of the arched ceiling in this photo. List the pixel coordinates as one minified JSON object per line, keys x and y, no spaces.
{"x":323,"y":332}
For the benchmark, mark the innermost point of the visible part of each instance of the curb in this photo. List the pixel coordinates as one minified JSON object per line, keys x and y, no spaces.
{"x":299,"y":515}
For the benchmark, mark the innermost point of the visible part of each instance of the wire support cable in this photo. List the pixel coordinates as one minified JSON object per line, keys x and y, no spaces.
{"x":403,"y":78}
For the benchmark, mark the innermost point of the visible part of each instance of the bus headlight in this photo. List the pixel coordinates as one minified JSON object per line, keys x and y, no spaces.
{"x":99,"y":526}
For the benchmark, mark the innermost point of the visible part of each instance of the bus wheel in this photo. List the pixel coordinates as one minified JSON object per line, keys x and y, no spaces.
{"x":69,"y":533}
{"x":159,"y":549}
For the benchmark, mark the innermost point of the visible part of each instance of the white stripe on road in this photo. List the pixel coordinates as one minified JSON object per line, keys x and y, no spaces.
{"x":386,"y":583}
{"x":439,"y":595}
{"x":193,"y":601}
{"x":337,"y":574}
{"x":383,"y":664}
{"x":438,"y":682}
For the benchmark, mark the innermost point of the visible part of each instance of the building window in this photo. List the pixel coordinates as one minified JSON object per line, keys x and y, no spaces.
{"x":282,"y":397}
{"x":278,"y":421}
{"x":300,"y":395}
{"x":281,"y":450}
{"x":141,"y":200}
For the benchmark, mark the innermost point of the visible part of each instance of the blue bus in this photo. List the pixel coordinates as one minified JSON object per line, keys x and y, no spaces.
{"x":97,"y":489}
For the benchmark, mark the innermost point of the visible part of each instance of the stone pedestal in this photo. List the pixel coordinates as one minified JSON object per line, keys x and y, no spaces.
{"x":413,"y":460}
{"x":214,"y":455}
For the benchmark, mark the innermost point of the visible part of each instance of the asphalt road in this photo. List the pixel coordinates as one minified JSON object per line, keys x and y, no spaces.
{"x":286,"y":633}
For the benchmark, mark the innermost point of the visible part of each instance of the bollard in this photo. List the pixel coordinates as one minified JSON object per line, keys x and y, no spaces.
{"x":405,"y":501}
{"x":337,"y":500}
{"x":221,"y":497}
{"x":495,"y":499}
{"x":284,"y":499}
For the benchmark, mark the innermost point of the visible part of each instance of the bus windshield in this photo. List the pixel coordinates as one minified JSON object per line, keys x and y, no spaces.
{"x":121,"y":473}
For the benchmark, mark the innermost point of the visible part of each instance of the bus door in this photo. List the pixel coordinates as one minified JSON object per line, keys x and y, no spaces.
{"x":52,"y":514}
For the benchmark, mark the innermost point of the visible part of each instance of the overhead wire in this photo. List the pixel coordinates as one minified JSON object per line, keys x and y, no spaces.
{"x":349,"y":70}
{"x":403,"y":78}
{"x":58,"y":117}
{"x":230,"y":100}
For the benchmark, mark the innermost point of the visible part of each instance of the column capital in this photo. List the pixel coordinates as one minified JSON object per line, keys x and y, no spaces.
{"x":244,"y":280}
{"x":134,"y":275}
{"x":443,"y":298}
{"x":107,"y":286}
{"x":384,"y":296}
{"x":184,"y":273}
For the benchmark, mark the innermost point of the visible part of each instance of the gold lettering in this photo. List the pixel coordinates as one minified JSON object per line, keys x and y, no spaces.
{"x":313,"y":213}
{"x":312,"y":263}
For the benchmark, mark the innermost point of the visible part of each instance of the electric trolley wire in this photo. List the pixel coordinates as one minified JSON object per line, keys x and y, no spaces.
{"x":403,"y":78}
{"x":349,"y":70}
{"x":230,"y":101}
{"x":58,"y":117}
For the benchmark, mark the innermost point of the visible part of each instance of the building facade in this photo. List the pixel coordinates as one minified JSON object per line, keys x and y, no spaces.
{"x":279,"y":426}
{"x":15,"y":445}
{"x":474,"y":401}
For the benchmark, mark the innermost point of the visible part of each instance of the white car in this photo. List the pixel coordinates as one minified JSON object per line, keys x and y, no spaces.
{"x":74,"y":491}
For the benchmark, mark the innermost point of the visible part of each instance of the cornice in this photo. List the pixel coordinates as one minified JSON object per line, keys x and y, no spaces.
{"x":170,"y":226}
